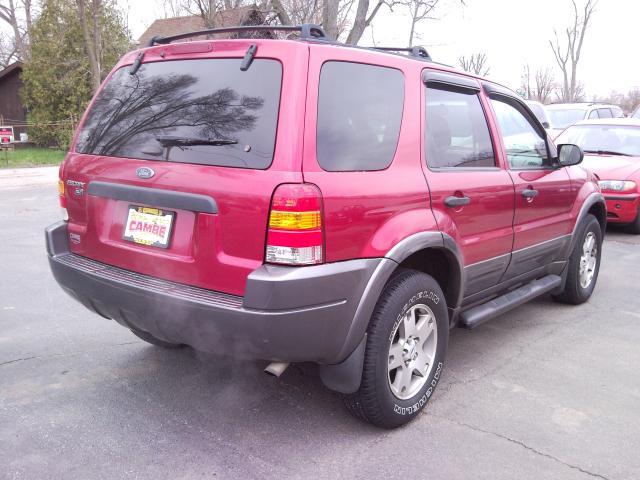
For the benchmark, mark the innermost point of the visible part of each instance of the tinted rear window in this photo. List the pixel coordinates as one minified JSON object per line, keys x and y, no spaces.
{"x":167,"y":108}
{"x":359,"y":115}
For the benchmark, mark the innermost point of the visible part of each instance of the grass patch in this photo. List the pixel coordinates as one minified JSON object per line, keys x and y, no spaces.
{"x":30,"y":157}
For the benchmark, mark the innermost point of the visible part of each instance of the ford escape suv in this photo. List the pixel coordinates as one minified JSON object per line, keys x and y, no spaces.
{"x":304,"y":201}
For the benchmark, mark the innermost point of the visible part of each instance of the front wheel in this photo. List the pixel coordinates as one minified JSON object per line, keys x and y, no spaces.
{"x":584,"y":264}
{"x":406,"y":346}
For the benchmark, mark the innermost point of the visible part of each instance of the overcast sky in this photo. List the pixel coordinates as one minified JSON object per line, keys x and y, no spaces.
{"x":511,"y":33}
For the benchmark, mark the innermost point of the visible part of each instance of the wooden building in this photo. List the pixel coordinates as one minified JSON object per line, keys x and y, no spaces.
{"x":164,"y":27}
{"x":12,"y":111}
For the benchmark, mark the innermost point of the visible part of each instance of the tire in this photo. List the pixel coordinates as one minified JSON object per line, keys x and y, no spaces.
{"x":380,"y":399}
{"x":147,"y":337}
{"x":576,"y":291}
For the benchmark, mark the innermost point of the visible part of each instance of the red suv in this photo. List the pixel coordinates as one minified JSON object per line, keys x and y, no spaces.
{"x":304,"y":201}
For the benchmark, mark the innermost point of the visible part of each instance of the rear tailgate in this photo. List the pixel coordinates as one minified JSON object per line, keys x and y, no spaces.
{"x":140,"y":160}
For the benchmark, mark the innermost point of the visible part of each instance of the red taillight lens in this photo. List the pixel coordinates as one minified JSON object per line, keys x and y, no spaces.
{"x":295,"y":225}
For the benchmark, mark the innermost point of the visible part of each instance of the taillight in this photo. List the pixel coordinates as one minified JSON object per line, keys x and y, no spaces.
{"x":63,"y":200}
{"x":61,"y":197}
{"x":295,"y":225}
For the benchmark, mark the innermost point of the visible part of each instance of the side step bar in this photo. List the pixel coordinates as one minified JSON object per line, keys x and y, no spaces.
{"x":475,"y":316}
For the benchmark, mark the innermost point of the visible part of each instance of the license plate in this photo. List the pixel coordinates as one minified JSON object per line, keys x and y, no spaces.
{"x":148,"y":226}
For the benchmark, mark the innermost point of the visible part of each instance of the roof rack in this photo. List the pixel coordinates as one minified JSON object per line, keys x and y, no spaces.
{"x":419,"y":52}
{"x":307,"y":31}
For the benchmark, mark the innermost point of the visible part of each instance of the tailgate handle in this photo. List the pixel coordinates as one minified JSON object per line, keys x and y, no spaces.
{"x":154,"y":197}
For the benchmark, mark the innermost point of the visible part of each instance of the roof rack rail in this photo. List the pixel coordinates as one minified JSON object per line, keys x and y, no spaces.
{"x":419,"y":52}
{"x":307,"y":31}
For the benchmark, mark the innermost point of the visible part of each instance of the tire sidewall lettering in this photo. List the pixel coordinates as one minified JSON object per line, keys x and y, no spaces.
{"x":423,"y":295}
{"x":412,"y":409}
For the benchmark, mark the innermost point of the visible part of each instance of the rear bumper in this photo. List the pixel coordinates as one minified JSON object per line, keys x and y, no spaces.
{"x":622,"y":208}
{"x":288,"y":314}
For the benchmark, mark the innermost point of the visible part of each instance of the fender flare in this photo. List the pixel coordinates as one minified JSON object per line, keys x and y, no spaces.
{"x":590,"y":201}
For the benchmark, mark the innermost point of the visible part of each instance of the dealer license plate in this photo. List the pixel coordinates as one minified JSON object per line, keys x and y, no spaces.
{"x":148,"y":226}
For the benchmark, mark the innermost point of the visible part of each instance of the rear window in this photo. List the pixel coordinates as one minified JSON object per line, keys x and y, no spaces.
{"x":206,"y":112}
{"x":359,"y":116}
{"x":565,"y":117}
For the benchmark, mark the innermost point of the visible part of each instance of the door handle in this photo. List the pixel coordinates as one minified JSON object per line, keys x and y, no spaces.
{"x":453,"y":201}
{"x":529,"y":193}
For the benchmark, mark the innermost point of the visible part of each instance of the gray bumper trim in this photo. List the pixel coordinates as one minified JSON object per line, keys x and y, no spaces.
{"x":290,"y":314}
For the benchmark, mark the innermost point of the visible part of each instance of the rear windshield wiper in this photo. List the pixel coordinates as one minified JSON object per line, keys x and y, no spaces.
{"x":170,"y":141}
{"x":607,"y":152}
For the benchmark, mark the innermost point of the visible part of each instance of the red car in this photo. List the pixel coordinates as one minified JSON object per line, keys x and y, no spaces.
{"x":304,"y":201}
{"x":612,"y":149}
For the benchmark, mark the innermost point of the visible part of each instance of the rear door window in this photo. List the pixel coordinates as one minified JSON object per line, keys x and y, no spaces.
{"x":188,"y":111}
{"x":457,"y":134}
{"x":359,"y":116}
{"x":604,"y":113}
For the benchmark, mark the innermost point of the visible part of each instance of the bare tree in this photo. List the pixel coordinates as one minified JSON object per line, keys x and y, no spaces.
{"x":91,"y":37}
{"x":330,"y":10}
{"x":419,"y":10}
{"x":476,"y":63}
{"x":545,"y":85}
{"x":363,"y":19}
{"x":283,"y":15}
{"x":540,"y":86}
{"x":8,"y":52}
{"x":567,"y":51}
{"x":28,"y":14}
{"x":9,"y":14}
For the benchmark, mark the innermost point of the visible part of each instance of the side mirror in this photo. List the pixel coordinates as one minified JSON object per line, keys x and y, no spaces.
{"x":569,"y":155}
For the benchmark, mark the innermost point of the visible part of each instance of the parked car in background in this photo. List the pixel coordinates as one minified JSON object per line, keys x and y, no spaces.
{"x":612,"y":151}
{"x":563,"y":115}
{"x":271,"y":199}
{"x":540,"y":112}
{"x":636,"y":114}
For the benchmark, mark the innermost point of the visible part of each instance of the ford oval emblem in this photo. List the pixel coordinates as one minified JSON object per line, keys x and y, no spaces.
{"x":145,"y":172}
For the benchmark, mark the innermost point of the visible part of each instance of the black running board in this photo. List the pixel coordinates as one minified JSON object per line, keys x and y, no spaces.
{"x":475,"y":316}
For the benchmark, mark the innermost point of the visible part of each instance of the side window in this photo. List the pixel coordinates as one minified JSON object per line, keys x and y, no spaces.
{"x":605,"y":113}
{"x":456,"y":130}
{"x":593,"y":114}
{"x":525,"y":146}
{"x":359,"y":116}
{"x":617,"y":112}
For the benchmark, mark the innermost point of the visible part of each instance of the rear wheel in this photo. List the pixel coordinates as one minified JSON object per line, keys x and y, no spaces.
{"x":584,"y":263}
{"x":147,"y":337}
{"x":404,"y":357}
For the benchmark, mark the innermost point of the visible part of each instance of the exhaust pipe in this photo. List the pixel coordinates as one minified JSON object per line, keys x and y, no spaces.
{"x":276,"y":368}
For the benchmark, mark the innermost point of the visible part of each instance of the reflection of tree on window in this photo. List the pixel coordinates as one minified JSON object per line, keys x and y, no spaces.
{"x":208,"y":114}
{"x":146,"y":109}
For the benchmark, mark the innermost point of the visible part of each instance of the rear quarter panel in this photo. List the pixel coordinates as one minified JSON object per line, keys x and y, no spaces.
{"x":367,"y":213}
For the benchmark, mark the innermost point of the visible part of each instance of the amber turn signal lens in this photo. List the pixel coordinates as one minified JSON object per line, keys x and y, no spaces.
{"x":294,"y":220}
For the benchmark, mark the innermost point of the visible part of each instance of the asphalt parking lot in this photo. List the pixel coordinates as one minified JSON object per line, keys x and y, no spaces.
{"x":546,"y":391}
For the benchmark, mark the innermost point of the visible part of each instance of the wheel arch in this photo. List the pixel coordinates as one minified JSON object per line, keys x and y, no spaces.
{"x":434,"y":253}
{"x":595,"y":205}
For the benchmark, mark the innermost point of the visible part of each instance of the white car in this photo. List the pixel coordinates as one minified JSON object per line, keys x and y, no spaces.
{"x":563,"y":115}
